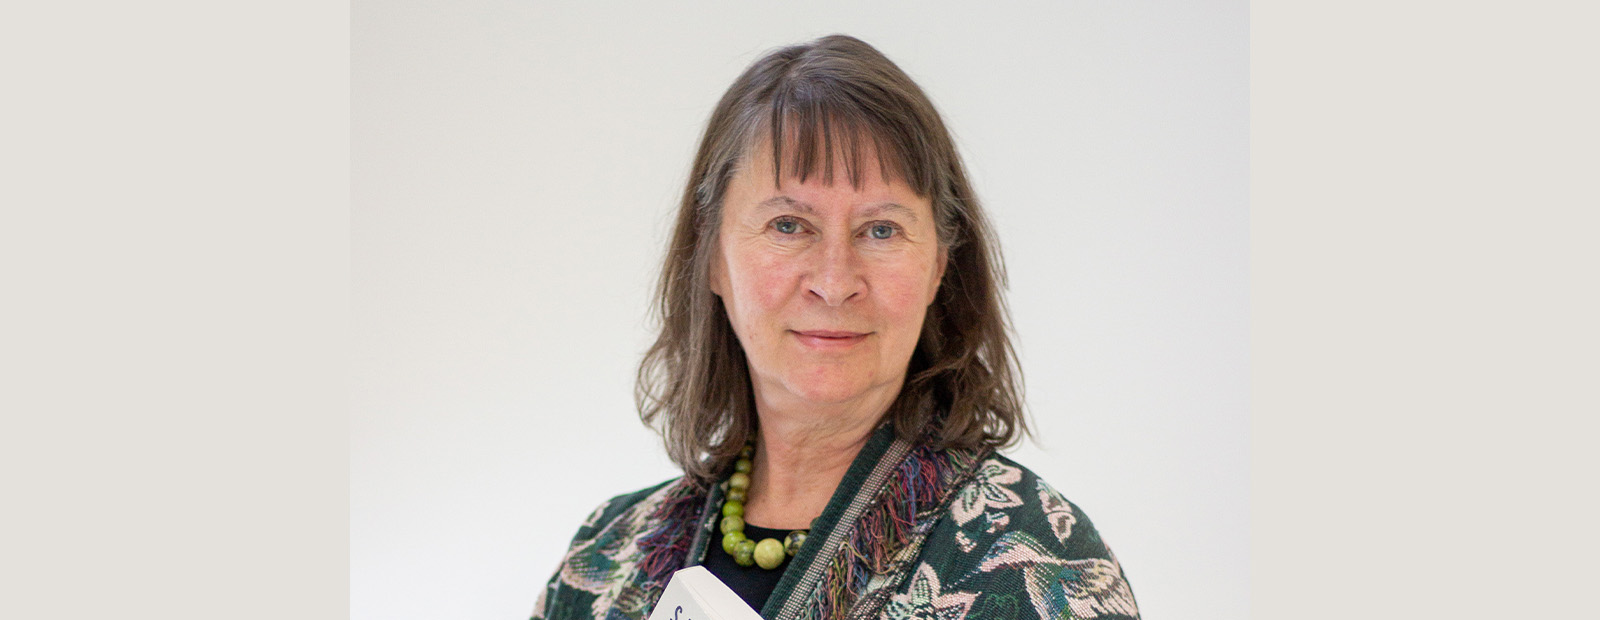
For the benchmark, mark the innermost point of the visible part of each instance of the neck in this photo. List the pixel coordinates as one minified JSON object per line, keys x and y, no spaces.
{"x":801,"y":455}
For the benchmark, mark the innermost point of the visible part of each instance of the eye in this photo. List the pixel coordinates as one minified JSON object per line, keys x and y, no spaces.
{"x":881,"y":231}
{"x":786,"y":226}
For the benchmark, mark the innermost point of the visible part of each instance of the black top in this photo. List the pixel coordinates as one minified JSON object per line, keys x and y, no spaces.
{"x":753,"y":583}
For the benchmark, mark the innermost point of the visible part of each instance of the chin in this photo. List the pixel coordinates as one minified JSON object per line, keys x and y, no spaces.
{"x":828,"y":392}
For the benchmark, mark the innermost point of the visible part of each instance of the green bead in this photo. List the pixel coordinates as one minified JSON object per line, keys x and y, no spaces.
{"x":736,"y":495}
{"x":792,"y":542}
{"x":730,"y":541}
{"x":744,"y":552}
{"x":742,"y":466}
{"x":732,"y":508}
{"x":739,"y":480}
{"x":732,"y":523}
{"x":746,"y":451}
{"x":769,"y":553}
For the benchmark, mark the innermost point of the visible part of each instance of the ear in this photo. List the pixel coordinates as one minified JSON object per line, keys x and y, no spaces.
{"x":938,"y":273}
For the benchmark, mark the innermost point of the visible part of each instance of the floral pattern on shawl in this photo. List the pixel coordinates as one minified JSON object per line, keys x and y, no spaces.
{"x":923,"y":600}
{"x":1090,"y":587}
{"x":920,"y":552}
{"x":1057,"y":511}
{"x":988,"y":490}
{"x":620,"y":560}
{"x":601,"y":564}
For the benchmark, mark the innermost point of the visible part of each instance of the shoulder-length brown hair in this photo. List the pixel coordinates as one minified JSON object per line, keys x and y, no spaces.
{"x":963,"y":385}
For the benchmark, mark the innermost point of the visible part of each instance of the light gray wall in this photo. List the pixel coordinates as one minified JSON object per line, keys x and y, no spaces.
{"x":514,"y":169}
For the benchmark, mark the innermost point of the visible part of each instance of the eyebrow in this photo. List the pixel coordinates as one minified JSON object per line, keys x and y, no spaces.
{"x":785,"y":202}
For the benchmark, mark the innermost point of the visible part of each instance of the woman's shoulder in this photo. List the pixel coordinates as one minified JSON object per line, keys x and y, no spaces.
{"x":1003,"y":496}
{"x":642,"y":501}
{"x":604,"y":553}
{"x":1005,"y":526}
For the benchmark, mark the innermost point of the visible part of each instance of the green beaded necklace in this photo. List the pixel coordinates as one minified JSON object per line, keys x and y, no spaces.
{"x":769,"y":553}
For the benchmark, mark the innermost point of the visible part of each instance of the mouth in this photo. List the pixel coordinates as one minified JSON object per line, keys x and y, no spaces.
{"x":829,"y":339}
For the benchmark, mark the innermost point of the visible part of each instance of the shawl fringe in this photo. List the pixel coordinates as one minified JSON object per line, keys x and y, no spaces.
{"x":922,"y":484}
{"x":666,"y":547}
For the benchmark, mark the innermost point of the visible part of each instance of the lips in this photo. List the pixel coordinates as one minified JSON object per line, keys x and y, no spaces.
{"x":829,"y":339}
{"x":823,"y":333}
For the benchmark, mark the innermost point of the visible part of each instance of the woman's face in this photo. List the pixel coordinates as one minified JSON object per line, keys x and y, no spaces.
{"x":826,"y":286}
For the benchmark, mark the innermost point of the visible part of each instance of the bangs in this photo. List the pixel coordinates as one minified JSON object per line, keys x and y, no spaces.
{"x":809,"y":136}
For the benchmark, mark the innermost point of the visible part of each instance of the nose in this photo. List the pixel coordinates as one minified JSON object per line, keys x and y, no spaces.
{"x":837,"y":275}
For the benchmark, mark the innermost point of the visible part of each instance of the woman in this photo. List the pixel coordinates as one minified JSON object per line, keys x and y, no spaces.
{"x":833,"y":375}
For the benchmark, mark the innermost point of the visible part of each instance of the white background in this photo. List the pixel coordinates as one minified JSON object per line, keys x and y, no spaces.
{"x":514,"y":172}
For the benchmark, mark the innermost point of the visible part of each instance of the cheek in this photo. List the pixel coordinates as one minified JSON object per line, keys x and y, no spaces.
{"x":905,"y":290}
{"x":761,"y":283}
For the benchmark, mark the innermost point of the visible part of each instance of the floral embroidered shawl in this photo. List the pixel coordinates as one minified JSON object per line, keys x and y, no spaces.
{"x":911,"y":533}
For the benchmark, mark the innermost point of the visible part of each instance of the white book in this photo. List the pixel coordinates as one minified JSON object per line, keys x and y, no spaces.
{"x":696,"y":594}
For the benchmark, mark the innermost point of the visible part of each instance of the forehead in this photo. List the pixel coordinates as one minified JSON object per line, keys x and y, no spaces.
{"x":852,"y":168}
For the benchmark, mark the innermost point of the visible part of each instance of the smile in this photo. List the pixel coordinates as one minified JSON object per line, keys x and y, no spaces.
{"x":829,"y":340}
